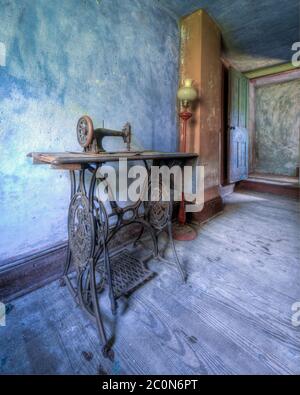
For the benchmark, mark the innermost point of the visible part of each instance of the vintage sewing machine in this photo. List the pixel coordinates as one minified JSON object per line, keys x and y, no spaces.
{"x":96,"y":258}
{"x":91,"y":139}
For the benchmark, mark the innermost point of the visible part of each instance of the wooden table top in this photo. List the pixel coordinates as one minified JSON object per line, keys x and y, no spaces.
{"x":77,"y":159}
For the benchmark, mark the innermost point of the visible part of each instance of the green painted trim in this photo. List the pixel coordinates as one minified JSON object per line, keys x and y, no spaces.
{"x":280,"y":68}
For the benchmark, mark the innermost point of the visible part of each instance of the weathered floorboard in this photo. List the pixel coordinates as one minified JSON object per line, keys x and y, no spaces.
{"x":233,"y":316}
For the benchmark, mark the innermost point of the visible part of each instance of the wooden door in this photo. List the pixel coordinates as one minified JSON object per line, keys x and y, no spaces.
{"x":238,"y":132}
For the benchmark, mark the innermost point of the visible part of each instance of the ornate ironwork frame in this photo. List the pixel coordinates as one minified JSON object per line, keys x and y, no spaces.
{"x":90,"y":233}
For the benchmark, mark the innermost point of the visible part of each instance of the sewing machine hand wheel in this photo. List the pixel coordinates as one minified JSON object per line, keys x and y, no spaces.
{"x":85,"y":131}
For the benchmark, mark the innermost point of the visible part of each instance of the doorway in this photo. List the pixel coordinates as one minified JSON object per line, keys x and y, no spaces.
{"x":275,"y":129}
{"x":224,"y":126}
{"x":234,"y":134}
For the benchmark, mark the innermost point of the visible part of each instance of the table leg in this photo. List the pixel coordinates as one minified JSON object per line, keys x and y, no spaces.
{"x":160,"y":217}
{"x":106,"y":350}
{"x":178,"y":263}
{"x":68,"y":257}
{"x":84,"y":235}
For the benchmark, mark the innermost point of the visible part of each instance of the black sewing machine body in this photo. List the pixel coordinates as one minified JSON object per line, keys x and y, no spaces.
{"x":91,"y":139}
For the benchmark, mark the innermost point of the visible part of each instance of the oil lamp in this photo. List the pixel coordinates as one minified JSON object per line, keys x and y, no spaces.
{"x":186,"y":94}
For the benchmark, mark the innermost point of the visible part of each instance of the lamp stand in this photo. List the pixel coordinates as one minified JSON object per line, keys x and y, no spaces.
{"x":182,"y":231}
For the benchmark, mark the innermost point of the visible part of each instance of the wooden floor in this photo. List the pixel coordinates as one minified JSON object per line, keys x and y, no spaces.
{"x":233,"y":316}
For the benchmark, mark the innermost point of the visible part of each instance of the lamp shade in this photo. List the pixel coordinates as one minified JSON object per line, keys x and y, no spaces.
{"x":187,"y":92}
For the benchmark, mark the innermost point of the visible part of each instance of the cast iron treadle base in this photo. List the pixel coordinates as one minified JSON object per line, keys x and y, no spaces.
{"x":128,"y":273}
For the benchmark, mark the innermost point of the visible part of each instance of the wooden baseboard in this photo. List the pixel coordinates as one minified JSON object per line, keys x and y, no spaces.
{"x":211,"y":208}
{"x":283,"y":190}
{"x":23,"y":275}
{"x":30,"y":272}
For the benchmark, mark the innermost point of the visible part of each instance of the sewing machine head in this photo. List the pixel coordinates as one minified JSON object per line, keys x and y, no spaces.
{"x":91,"y":139}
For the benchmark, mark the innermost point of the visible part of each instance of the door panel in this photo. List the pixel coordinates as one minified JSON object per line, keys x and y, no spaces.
{"x":238,"y":132}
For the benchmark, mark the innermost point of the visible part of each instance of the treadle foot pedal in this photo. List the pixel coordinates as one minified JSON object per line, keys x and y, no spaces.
{"x":128,"y":273}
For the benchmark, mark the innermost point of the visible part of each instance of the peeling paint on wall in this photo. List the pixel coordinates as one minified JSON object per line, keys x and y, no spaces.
{"x":116,"y":61}
{"x":277,"y":120}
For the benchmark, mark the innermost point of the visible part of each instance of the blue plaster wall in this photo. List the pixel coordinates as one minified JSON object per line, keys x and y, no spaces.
{"x":115,"y":60}
{"x":277,"y":124}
